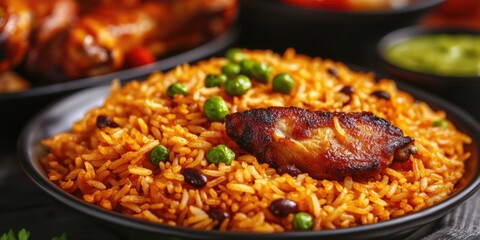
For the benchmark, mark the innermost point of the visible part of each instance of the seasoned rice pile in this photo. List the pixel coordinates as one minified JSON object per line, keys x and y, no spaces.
{"x":109,"y":167}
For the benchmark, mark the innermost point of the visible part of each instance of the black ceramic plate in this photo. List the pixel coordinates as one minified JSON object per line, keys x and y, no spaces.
{"x":23,"y":105}
{"x":60,"y":116}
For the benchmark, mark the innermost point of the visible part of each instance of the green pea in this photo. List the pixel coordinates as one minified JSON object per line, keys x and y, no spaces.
{"x":302,"y":221}
{"x":238,"y":85}
{"x":440,"y":123}
{"x":262,"y":72}
{"x":215,"y":109}
{"x":235,"y":55}
{"x":283,"y":83}
{"x":177,"y":88}
{"x":231,"y":69}
{"x":220,"y":153}
{"x":213,"y":80}
{"x":159,"y":154}
{"x":246,"y":67}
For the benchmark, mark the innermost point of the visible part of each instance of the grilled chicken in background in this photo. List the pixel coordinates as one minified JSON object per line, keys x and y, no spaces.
{"x":101,"y":39}
{"x":71,"y":39}
{"x":15,"y":27}
{"x":329,"y":145}
{"x":52,"y":19}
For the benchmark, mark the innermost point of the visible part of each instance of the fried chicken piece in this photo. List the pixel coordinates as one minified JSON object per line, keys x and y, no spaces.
{"x":15,"y":27}
{"x":52,"y":20}
{"x":329,"y":145}
{"x":51,"y":17}
{"x":100,"y":41}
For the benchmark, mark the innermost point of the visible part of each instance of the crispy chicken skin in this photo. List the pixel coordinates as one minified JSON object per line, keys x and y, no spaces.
{"x":329,"y":145}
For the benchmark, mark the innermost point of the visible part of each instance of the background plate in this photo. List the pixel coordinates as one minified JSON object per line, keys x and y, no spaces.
{"x":18,"y":107}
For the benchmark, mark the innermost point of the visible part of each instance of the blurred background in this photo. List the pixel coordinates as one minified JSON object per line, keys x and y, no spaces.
{"x":351,"y":32}
{"x":351,"y":29}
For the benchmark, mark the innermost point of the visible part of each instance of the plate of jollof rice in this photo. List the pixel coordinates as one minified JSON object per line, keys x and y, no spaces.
{"x":106,"y":172}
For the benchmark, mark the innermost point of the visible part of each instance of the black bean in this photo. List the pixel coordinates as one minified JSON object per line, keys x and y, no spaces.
{"x":282,"y":207}
{"x":348,"y":90}
{"x":194,"y":177}
{"x":381,"y":94}
{"x":45,"y":149}
{"x":403,"y":154}
{"x":333,"y":71}
{"x":105,"y":121}
{"x":218,"y":214}
{"x":291,"y":170}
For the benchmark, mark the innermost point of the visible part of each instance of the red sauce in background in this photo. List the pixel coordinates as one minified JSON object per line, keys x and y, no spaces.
{"x":455,"y":13}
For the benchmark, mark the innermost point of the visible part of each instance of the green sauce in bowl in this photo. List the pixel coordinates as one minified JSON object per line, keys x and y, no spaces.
{"x":439,"y":54}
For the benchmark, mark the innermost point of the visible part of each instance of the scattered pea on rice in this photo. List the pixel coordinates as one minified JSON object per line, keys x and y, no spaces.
{"x":109,"y":165}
